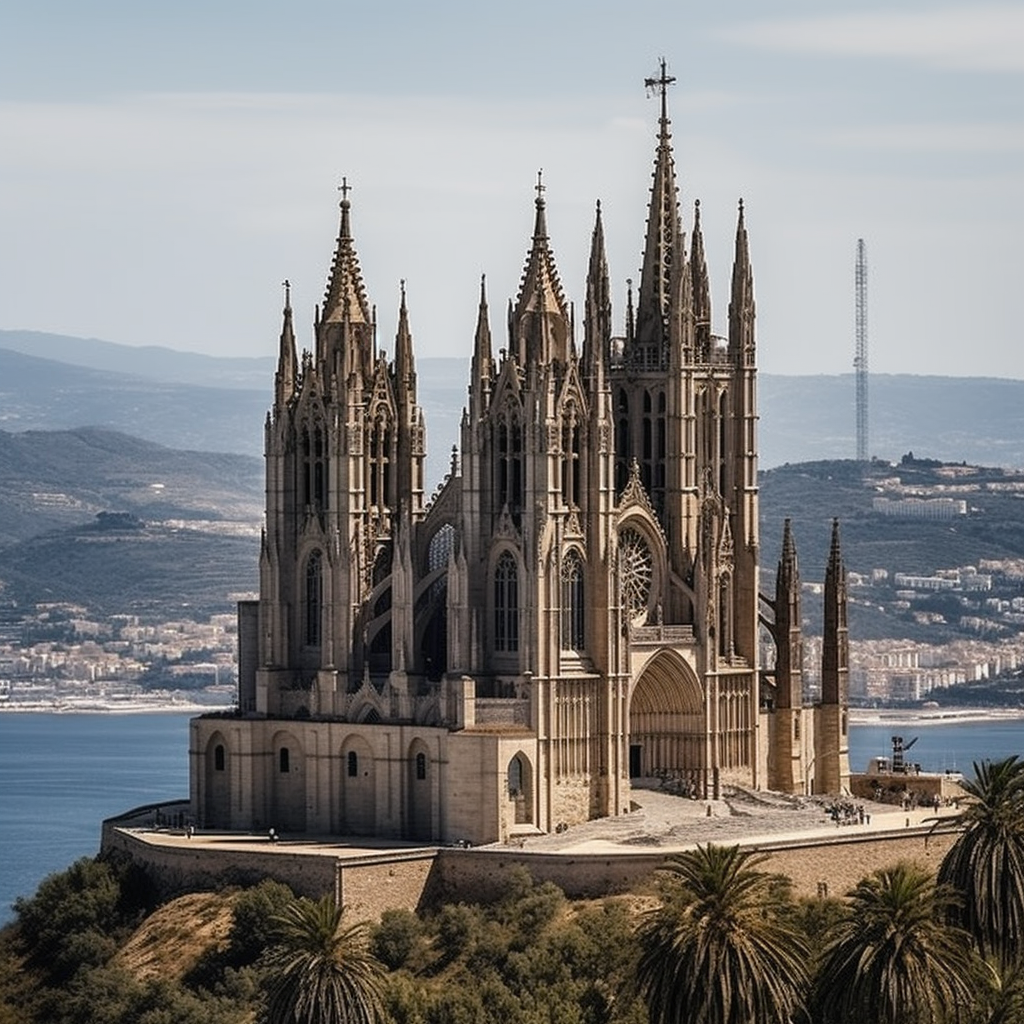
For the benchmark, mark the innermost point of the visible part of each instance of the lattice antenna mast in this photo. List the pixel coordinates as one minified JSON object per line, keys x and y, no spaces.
{"x":860,"y":359}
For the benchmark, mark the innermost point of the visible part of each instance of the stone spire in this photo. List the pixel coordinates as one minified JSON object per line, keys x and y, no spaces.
{"x":788,"y":637}
{"x":482,"y":369}
{"x":741,"y":305}
{"x":405,"y":366}
{"x":597,"y":325}
{"x":540,"y":319}
{"x":287,"y":363}
{"x":345,"y":299}
{"x":835,"y":639}
{"x":700,"y":290}
{"x":663,"y":244}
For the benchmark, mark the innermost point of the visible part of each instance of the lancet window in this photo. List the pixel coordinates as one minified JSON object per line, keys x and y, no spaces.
{"x":314,"y":471}
{"x":380,"y":462}
{"x":571,"y":457}
{"x":312,"y":625}
{"x":506,"y":604}
{"x":509,"y":464}
{"x":573,"y":605}
{"x":622,"y":452}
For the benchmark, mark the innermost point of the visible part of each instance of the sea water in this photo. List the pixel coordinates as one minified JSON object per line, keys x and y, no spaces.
{"x":62,"y":774}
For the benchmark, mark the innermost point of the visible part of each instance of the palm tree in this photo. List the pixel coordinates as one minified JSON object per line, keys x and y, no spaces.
{"x":986,"y":863}
{"x":894,"y":959}
{"x":720,"y":951}
{"x":322,"y":971}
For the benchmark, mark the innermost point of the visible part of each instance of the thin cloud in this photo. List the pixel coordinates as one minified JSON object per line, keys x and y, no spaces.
{"x":948,"y":138}
{"x":983,"y":38}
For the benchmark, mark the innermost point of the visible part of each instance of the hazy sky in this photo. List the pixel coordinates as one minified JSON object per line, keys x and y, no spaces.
{"x":164,"y":167}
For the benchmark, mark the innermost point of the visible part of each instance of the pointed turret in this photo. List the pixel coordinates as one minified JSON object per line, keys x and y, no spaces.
{"x":788,"y":637}
{"x":482,"y":369}
{"x":405,"y":366}
{"x":741,"y":305}
{"x":700,"y":290}
{"x":287,"y":362}
{"x":345,"y":298}
{"x":662,"y":246}
{"x":597,"y":326}
{"x":835,"y":640}
{"x":831,"y":731}
{"x":540,"y":320}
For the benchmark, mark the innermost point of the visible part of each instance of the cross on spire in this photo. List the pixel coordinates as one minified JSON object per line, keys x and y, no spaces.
{"x":344,"y":188}
{"x":540,"y":186}
{"x":661,"y":83}
{"x":287,"y":286}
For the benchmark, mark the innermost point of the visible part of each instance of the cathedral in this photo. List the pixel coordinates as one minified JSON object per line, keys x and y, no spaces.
{"x":576,"y":608}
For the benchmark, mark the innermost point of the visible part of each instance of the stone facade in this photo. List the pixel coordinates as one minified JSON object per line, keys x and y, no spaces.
{"x":577,"y":605}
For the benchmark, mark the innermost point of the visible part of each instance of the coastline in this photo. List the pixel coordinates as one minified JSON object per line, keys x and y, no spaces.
{"x":165,"y":704}
{"x":932,"y":716}
{"x":117,"y":707}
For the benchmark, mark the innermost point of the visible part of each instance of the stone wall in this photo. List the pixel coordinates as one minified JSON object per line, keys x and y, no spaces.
{"x":179,"y":869}
{"x":420,"y":879}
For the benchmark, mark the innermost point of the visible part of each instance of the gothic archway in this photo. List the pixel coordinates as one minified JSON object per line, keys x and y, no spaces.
{"x":667,"y":723}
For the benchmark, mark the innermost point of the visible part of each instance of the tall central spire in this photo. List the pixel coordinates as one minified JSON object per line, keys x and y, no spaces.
{"x":663,"y":244}
{"x":346,"y":296}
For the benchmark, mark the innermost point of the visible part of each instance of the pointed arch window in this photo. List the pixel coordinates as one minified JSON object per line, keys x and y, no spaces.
{"x":284,"y":758}
{"x":506,"y":604}
{"x":312,"y":627}
{"x":509,"y":464}
{"x":421,"y":767}
{"x":314,"y":467}
{"x":571,"y":457}
{"x":622,"y":440}
{"x":380,"y":462}
{"x":515,"y":776}
{"x":352,"y":764}
{"x":218,"y":757}
{"x":573,"y":605}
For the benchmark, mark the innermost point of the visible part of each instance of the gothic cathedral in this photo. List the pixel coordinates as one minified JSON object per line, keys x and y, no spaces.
{"x":575,"y":608}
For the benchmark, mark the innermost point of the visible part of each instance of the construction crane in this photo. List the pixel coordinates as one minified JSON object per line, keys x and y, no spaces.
{"x":899,"y":748}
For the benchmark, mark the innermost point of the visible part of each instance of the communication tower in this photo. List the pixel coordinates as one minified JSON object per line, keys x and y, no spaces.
{"x":860,"y":359}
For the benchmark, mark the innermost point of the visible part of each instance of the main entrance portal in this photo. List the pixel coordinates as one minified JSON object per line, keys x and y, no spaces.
{"x":668,"y":724}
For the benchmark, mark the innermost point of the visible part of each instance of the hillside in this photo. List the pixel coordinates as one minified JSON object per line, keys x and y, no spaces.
{"x":185,"y":400}
{"x":119,"y":525}
{"x":55,"y":479}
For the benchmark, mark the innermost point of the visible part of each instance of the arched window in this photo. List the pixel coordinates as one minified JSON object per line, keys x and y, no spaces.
{"x":314,"y":599}
{"x":421,"y":767}
{"x":314,"y":467}
{"x":353,"y":764}
{"x":573,"y":607}
{"x":380,"y":462}
{"x":218,"y":757}
{"x":515,"y":776}
{"x":284,"y":760}
{"x":506,"y":604}
{"x":571,"y":457}
{"x":508,"y":467}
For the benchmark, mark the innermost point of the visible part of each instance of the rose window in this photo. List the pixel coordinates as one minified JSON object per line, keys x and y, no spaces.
{"x":636,"y":570}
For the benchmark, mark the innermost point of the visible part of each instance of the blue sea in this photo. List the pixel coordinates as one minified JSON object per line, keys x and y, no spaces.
{"x":62,"y":774}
